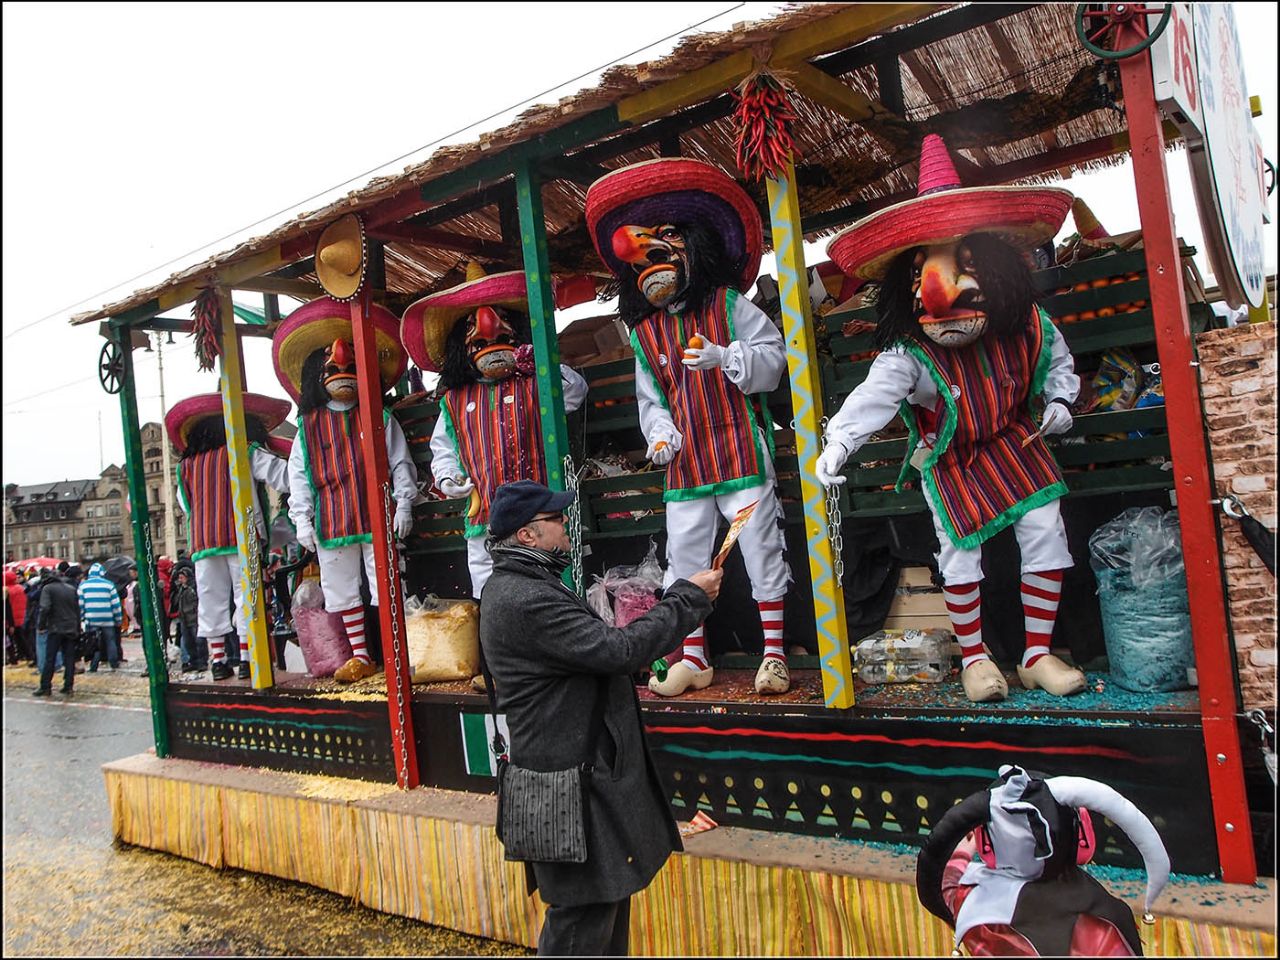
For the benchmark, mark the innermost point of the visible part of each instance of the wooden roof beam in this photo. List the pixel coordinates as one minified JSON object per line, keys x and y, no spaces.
{"x":918,"y":35}
{"x":298,"y":289}
{"x":829,"y":92}
{"x":938,"y":96}
{"x":439,"y":239}
{"x":856,"y":22}
{"x":1019,"y":71}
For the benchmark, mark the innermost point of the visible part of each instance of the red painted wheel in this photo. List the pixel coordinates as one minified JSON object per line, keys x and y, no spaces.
{"x":1106,"y":19}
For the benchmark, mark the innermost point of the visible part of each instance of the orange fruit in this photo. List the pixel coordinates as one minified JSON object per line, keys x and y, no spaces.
{"x":1100,"y":282}
{"x":1069,"y":318}
{"x":1106,"y":311}
{"x":1082,"y":285}
{"x":1133,"y":276}
{"x":1088,"y":314}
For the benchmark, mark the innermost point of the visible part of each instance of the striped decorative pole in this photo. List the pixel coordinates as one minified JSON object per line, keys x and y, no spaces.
{"x":806,"y":400}
{"x":242,"y":496}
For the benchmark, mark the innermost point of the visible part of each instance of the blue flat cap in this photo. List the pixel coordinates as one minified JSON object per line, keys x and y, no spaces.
{"x":515,"y":504}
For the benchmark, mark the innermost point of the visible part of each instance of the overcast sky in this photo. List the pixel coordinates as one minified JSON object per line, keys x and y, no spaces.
{"x":150,"y":133}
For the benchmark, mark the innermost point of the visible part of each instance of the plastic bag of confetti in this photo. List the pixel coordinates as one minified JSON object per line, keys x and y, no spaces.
{"x":444,"y":640}
{"x":321,"y":635}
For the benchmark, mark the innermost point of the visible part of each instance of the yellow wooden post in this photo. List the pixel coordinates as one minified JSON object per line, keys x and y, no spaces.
{"x":242,"y":496}
{"x":806,"y":401}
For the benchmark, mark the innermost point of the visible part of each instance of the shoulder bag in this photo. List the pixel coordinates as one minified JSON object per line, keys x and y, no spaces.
{"x":542,"y":814}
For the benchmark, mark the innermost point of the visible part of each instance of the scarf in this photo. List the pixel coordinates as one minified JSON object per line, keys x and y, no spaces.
{"x":556,"y":561}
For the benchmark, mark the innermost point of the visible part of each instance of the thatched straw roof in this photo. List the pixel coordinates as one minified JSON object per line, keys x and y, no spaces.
{"x":1013,"y":87}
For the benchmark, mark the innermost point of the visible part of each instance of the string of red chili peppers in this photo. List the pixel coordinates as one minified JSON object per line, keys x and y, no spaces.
{"x":763,"y":118}
{"x":204,"y":327}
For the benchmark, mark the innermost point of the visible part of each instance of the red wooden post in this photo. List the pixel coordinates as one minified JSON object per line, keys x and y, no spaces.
{"x":1178,"y":366}
{"x":395,"y":650}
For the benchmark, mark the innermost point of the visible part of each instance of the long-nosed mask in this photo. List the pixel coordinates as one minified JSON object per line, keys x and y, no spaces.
{"x":340,"y":371}
{"x":491,"y":343}
{"x":947,"y":295}
{"x":658,"y":258}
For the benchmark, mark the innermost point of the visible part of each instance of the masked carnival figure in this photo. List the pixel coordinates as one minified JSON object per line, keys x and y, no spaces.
{"x":198,"y":433}
{"x":489,"y":429}
{"x":965,"y":351}
{"x":1003,"y":869}
{"x":685,"y":242}
{"x":328,"y":503}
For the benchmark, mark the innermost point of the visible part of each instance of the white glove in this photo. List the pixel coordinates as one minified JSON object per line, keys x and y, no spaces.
{"x":663,"y":449}
{"x":1057,"y":419}
{"x":455,"y":487}
{"x":403,"y":522}
{"x":830,"y":463}
{"x":307,"y":536}
{"x":706,"y":357}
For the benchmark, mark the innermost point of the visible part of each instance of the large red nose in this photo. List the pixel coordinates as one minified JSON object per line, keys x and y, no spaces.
{"x":341,"y":355}
{"x":488,"y":323}
{"x":938,"y":290}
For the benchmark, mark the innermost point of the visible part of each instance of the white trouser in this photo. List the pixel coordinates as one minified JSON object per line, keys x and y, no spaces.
{"x":1042,"y":540}
{"x":217,"y":586}
{"x":479,"y":562}
{"x":691,"y":536}
{"x":340,"y":575}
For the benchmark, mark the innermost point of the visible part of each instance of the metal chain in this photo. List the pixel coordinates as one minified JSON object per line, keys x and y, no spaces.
{"x":834,"y":533}
{"x":573,"y":519}
{"x":255,"y":571}
{"x":393,"y":581}
{"x":157,"y":614}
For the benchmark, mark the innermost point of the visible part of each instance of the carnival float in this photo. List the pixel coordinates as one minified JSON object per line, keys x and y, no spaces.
{"x":949,"y":379}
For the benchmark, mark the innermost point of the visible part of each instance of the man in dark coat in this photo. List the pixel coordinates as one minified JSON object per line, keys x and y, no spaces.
{"x":551,"y":657}
{"x":60,"y":623}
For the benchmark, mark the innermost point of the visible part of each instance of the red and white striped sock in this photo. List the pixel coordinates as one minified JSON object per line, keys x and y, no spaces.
{"x":771,"y":621}
{"x":964,"y":605}
{"x":217,"y":654}
{"x":694,"y":653}
{"x":244,"y":649}
{"x":353,"y":623}
{"x":1040,"y":595}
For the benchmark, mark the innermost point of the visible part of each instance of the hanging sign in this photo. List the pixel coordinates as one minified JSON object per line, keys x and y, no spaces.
{"x":1174,"y":72}
{"x":1226,"y":172}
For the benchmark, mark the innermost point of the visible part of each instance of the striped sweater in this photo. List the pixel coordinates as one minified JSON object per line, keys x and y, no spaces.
{"x":99,"y":601}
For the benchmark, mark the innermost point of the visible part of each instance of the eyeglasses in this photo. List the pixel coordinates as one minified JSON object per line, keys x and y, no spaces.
{"x":552,"y":517}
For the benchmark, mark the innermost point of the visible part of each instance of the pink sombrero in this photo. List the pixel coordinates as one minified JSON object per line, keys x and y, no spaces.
{"x":943,"y":211}
{"x":317,"y":324}
{"x":427,"y":323}
{"x":184,"y":414}
{"x":676,"y":190}
{"x":280,"y":446}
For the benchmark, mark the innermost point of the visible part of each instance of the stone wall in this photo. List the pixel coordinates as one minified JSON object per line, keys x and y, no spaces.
{"x":1238,"y":384}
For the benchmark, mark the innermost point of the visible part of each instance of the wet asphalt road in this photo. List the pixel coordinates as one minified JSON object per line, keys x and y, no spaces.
{"x":70,"y":890}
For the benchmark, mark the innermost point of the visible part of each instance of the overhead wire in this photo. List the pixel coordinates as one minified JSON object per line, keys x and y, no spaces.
{"x":62,"y":310}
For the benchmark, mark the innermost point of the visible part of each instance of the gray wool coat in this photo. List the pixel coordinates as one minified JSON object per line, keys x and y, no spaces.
{"x":547,"y":651}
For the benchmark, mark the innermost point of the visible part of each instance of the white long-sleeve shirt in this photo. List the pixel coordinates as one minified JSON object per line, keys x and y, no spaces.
{"x":754,"y":363}
{"x":404,"y":475}
{"x":444,"y":455}
{"x":897,"y":375}
{"x":264,"y":467}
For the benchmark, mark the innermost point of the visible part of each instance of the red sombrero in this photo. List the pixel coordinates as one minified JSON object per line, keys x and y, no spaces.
{"x":427,"y":323}
{"x":280,"y":446}
{"x":943,"y":211}
{"x":317,"y":324}
{"x":184,"y":414}
{"x":676,"y":190}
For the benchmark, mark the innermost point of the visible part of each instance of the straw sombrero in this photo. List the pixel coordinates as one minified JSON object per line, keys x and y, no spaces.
{"x":317,"y":324}
{"x":340,"y":258}
{"x":676,"y":190}
{"x":943,"y":211}
{"x":185,"y":414}
{"x":427,"y":323}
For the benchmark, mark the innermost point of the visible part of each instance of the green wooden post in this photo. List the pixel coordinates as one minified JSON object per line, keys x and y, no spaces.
{"x":140,"y":517}
{"x":542,"y":322}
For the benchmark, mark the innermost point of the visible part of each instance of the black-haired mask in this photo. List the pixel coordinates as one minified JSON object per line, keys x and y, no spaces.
{"x":658,"y":258}
{"x":947,"y":295}
{"x":491,"y":343}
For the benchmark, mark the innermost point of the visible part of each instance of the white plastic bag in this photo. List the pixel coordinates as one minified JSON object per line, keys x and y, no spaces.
{"x":443,"y":638}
